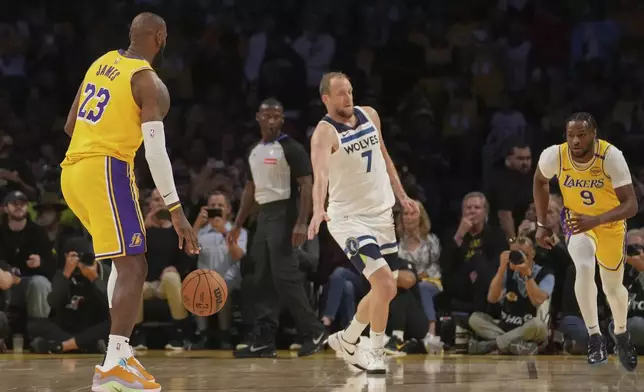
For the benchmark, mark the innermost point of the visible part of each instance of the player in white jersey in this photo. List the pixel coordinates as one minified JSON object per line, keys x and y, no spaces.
{"x":349,"y":156}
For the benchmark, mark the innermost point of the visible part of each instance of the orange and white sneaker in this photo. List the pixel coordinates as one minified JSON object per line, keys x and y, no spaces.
{"x":121,"y":378}
{"x":136,"y":365}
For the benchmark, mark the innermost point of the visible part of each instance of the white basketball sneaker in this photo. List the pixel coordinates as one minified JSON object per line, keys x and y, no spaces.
{"x":377,"y":363}
{"x":351,"y":352}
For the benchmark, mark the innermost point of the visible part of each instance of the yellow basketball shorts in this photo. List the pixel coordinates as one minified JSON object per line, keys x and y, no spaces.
{"x":102,"y":193}
{"x":610,"y":242}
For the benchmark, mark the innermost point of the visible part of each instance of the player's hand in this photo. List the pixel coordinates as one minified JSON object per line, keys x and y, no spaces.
{"x":581,"y":223}
{"x":185,"y":232}
{"x":299,"y":235}
{"x":544,"y":238}
{"x":33,"y":261}
{"x":233,"y":235}
{"x":409,"y":205}
{"x":316,"y":221}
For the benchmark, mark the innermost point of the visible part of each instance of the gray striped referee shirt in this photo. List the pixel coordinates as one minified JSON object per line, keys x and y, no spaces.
{"x":275,"y":168}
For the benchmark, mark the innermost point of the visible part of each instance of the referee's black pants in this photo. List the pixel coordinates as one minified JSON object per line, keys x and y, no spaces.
{"x":278,"y":280}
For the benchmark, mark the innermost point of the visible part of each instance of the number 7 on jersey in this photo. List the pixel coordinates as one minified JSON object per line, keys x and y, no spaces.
{"x":367,"y":154}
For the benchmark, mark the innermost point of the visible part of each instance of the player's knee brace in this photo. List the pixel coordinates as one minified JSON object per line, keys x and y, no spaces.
{"x":367,"y":259}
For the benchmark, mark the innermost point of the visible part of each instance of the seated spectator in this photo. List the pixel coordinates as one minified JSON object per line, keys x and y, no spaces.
{"x":572,"y":325}
{"x":166,"y":266}
{"x":524,"y":293}
{"x":212,"y":224}
{"x":343,"y":291}
{"x":26,"y":247}
{"x":79,"y":300}
{"x":634,"y":280}
{"x":7,"y":279}
{"x":15,"y":173}
{"x":422,"y":248}
{"x":409,"y":326}
{"x":470,"y":255}
{"x":50,"y":209}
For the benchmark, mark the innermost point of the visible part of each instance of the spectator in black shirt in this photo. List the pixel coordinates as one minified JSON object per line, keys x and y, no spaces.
{"x":15,"y":173}
{"x":49,"y":211}
{"x":79,"y":300}
{"x":510,"y":189}
{"x":26,"y":247}
{"x":470,"y":258}
{"x":166,"y":266}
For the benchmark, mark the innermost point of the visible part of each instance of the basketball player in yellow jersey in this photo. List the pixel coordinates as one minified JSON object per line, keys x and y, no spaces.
{"x":598,"y":198}
{"x":120,"y":104}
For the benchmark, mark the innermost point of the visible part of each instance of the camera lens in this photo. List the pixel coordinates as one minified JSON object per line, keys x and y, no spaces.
{"x":516,"y":257}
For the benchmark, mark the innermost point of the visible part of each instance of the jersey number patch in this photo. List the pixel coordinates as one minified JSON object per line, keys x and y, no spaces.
{"x":94,"y":114}
{"x":367,"y":154}
{"x":588,"y":197}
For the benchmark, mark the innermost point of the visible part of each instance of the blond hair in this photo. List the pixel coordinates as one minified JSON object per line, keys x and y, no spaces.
{"x":327,"y":78}
{"x":424,"y":224}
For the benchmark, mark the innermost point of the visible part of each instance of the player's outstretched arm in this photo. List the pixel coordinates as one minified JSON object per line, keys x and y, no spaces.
{"x":546,"y":169}
{"x":70,"y":123}
{"x":322,"y":143}
{"x":152,"y":97}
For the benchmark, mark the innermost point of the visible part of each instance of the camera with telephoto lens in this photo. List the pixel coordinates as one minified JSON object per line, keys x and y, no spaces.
{"x":517,"y":257}
{"x":86,"y":258}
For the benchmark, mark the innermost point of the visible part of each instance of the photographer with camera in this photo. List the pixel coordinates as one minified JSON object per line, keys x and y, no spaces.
{"x":634,"y":281}
{"x":79,"y":301}
{"x":524,"y":292}
{"x":220,"y":255}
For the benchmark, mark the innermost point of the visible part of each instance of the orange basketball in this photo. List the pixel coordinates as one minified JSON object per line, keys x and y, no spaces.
{"x":204,"y":292}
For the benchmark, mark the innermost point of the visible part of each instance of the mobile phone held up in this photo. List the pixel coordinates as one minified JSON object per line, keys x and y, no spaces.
{"x":214,"y":212}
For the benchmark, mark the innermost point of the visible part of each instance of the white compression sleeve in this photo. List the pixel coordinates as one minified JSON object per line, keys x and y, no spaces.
{"x":111,"y":283}
{"x":582,"y":251}
{"x":158,"y":160}
{"x":616,"y":295}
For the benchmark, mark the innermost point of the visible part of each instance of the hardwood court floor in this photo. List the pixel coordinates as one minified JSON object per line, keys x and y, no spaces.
{"x":218,"y":371}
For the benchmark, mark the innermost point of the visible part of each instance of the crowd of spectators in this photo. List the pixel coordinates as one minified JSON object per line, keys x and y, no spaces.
{"x":469,"y":92}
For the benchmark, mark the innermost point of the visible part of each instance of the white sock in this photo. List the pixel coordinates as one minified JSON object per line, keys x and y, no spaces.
{"x":118,"y":348}
{"x":377,"y":339}
{"x":582,"y":251}
{"x":617,"y":296}
{"x":353,"y":331}
{"x":399,"y":334}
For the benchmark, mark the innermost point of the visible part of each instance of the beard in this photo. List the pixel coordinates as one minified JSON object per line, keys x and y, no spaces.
{"x":158,"y":58}
{"x":344,"y":113}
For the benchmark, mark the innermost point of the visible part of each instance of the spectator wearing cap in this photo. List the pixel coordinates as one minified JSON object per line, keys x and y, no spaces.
{"x":26,"y":247}
{"x":49,"y":211}
{"x":79,"y":300}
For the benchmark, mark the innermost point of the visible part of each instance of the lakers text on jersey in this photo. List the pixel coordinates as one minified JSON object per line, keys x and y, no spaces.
{"x":98,"y":180}
{"x":589,"y":191}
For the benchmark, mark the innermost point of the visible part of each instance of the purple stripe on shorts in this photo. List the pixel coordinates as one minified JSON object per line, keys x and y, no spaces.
{"x":133,"y":233}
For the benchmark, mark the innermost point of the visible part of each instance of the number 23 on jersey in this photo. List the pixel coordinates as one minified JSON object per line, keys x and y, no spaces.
{"x":94,"y":102}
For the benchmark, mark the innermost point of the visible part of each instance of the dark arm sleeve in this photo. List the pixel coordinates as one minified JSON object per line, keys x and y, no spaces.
{"x":59,"y":291}
{"x":297,"y":158}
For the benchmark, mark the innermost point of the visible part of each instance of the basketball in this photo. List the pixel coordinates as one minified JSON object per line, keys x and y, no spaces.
{"x":204,"y":292}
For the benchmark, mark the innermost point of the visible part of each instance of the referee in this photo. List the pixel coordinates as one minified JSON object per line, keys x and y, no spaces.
{"x":278,"y":167}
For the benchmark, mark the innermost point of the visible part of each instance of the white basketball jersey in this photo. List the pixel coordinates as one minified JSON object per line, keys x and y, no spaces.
{"x":358,"y":179}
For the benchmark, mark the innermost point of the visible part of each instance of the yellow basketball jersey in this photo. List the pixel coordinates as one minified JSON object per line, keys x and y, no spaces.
{"x":586,"y":190}
{"x":108,"y":121}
